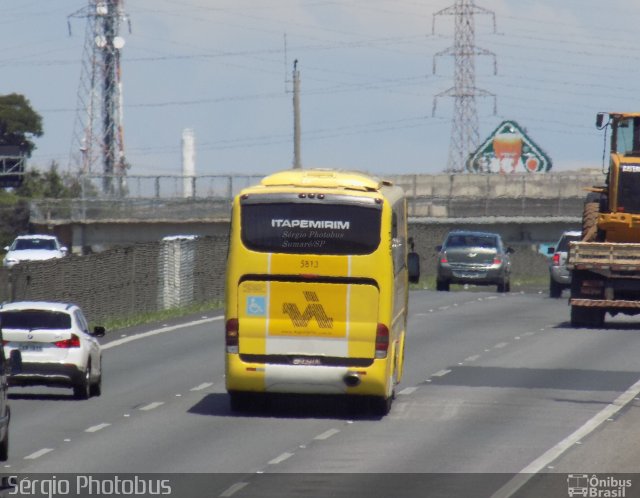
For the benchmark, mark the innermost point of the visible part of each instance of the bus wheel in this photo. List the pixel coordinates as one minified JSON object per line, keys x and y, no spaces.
{"x":380,"y":406}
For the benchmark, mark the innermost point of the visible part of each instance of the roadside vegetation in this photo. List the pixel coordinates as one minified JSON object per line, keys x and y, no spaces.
{"x":158,"y":316}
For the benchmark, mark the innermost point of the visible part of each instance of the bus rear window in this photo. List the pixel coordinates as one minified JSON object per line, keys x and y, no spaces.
{"x":311,"y":228}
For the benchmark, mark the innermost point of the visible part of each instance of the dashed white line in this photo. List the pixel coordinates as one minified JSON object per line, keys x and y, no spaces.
{"x":96,"y":428}
{"x":408,"y":390}
{"x":202,"y":386}
{"x":233,"y":489}
{"x":38,"y":453}
{"x":280,"y":459}
{"x":501,"y":345}
{"x":441,"y":373}
{"x":472,"y":358}
{"x":152,"y":406}
{"x":327,"y":434}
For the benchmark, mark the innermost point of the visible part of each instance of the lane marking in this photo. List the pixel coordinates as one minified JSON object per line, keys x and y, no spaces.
{"x":165,"y":329}
{"x":606,"y":414}
{"x":97,"y":428}
{"x":472,"y":358}
{"x":501,"y":345}
{"x":327,"y":434}
{"x":38,"y":453}
{"x":441,"y":373}
{"x":202,"y":386}
{"x":408,"y":390}
{"x":280,"y":458}
{"x":233,"y":489}
{"x":152,"y":406}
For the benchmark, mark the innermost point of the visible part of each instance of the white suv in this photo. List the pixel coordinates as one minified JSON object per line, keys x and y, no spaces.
{"x":56,"y":346}
{"x":33,"y":248}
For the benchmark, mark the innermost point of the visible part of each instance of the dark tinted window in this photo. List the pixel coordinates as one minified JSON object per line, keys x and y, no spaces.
{"x":563,"y":245}
{"x":25,"y":244}
{"x":303,"y":228}
{"x":628,"y":197}
{"x":34,"y":319}
{"x":472,"y":240}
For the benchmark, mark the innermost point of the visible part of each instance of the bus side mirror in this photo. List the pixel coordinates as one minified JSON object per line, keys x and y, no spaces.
{"x":413,"y":265}
{"x":599,"y":119}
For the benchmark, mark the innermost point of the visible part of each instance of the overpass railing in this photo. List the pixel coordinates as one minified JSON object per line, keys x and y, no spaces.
{"x":208,"y":197}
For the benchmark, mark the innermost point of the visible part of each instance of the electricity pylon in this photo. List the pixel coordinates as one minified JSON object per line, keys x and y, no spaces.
{"x":464,"y":129}
{"x":98,"y":131}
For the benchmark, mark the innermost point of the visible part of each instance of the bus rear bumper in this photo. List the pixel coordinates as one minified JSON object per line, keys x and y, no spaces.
{"x":306,"y":379}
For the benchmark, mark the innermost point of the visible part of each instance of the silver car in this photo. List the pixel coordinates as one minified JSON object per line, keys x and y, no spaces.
{"x":470,"y":257}
{"x":559,"y":276}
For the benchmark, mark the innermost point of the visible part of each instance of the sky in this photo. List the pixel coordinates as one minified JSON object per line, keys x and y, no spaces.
{"x":223,"y":68}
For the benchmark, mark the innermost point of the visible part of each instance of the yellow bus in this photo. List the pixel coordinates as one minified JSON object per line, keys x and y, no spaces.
{"x":317,"y":287}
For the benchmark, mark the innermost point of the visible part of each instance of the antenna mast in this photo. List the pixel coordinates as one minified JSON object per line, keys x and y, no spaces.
{"x":464,"y":130}
{"x":297,"y":164}
{"x":98,"y":131}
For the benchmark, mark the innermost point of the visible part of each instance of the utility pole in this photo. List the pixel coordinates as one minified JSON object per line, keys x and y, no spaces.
{"x":296,"y":116}
{"x":464,"y":129}
{"x":100,"y":92}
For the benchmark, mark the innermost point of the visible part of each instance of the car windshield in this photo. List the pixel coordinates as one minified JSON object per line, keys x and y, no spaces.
{"x":488,"y":241}
{"x":26,"y":244}
{"x":35,"y":319}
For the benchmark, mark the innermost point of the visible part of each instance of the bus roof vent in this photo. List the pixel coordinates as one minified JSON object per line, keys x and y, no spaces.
{"x":329,"y":178}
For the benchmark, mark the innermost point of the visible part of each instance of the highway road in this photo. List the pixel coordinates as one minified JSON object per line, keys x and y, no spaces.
{"x":494,"y":385}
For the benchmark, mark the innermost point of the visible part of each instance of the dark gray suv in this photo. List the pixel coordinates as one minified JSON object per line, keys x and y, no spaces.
{"x":470,"y":257}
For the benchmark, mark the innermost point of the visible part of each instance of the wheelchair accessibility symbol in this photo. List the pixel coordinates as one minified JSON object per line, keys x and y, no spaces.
{"x":256,"y":305}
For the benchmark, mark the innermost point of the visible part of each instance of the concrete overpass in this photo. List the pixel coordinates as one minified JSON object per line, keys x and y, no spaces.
{"x":525,"y":208}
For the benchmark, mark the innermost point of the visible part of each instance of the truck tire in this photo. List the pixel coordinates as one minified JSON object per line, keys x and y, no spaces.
{"x":587,"y":317}
{"x":442,"y":285}
{"x":590,"y":220}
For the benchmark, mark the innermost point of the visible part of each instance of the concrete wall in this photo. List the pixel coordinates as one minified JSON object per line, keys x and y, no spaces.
{"x":125,"y":281}
{"x":147,"y":277}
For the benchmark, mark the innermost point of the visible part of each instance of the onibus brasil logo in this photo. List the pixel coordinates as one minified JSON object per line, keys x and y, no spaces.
{"x":598,"y":487}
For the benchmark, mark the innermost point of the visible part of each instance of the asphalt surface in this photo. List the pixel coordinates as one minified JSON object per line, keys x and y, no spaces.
{"x":494,"y":385}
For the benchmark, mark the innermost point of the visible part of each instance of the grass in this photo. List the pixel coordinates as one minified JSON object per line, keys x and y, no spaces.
{"x":157,"y":316}
{"x":518,"y":283}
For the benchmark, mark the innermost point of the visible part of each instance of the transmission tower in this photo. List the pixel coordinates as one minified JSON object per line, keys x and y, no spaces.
{"x":464,"y":129}
{"x":98,"y":131}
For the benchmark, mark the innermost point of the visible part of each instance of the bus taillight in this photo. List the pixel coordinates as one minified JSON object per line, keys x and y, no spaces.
{"x":231,"y":335}
{"x":382,"y":340}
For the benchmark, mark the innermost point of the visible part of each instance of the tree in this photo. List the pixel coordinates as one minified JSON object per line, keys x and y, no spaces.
{"x":47,"y":185}
{"x":19,"y":123}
